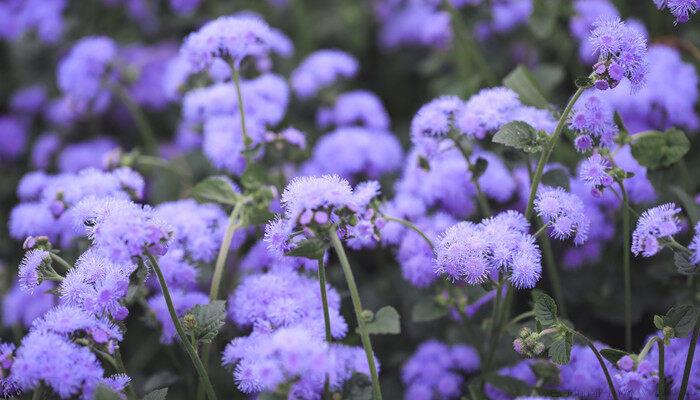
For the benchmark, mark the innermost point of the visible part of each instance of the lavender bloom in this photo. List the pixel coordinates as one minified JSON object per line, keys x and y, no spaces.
{"x":184,"y":7}
{"x":68,"y":320}
{"x":13,"y":135}
{"x":506,"y":15}
{"x":259,"y":259}
{"x":681,"y":9}
{"x":595,"y":172}
{"x":654,"y":224}
{"x":472,"y":253}
{"x":82,"y":155}
{"x":223,"y":141}
{"x":581,"y":24}
{"x":320,"y":70}
{"x":434,"y":370}
{"x":30,"y":267}
{"x":355,"y":108}
{"x":662,"y":103}
{"x":520,"y":371}
{"x":183,"y":301}
{"x":592,"y":120}
{"x":45,"y":148}
{"x":582,"y":376}
{"x":121,"y":229}
{"x":621,"y":51}
{"x":20,"y":308}
{"x":417,"y":23}
{"x":639,"y":188}
{"x":284,"y":298}
{"x":42,"y":16}
{"x":28,"y":100}
{"x":433,"y":122}
{"x":675,"y":358}
{"x":354,"y":152}
{"x":148,"y":64}
{"x":231,"y":38}
{"x":564,"y":212}
{"x":83,"y":72}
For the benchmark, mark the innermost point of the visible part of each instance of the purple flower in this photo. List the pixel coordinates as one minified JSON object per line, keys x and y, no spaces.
{"x":68,"y":320}
{"x":45,"y":147}
{"x":621,"y":51}
{"x":355,"y":108}
{"x":20,"y":308}
{"x":564,"y":213}
{"x":231,"y":38}
{"x":13,"y":135}
{"x":595,"y":172}
{"x":320,"y":70}
{"x":223,"y":141}
{"x":587,"y":12}
{"x":592,"y":120}
{"x":417,"y":23}
{"x":30,"y":269}
{"x":28,"y":100}
{"x":654,"y":224}
{"x":583,"y":375}
{"x":81,"y":155}
{"x":681,"y":9}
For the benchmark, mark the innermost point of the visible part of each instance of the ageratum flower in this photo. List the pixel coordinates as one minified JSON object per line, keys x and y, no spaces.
{"x":68,"y":320}
{"x":320,"y":70}
{"x":564,"y":212}
{"x":121,"y":229}
{"x":231,"y":38}
{"x":30,"y":274}
{"x":435,"y":370}
{"x":595,"y":172}
{"x":621,"y":51}
{"x":473,"y":253}
{"x":581,"y":24}
{"x":582,"y":376}
{"x":681,"y":9}
{"x":283,"y":298}
{"x":13,"y":135}
{"x":20,"y":308}
{"x":592,"y":120}
{"x":416,"y":23}
{"x":654,"y":224}
{"x":224,"y":144}
{"x":355,"y":108}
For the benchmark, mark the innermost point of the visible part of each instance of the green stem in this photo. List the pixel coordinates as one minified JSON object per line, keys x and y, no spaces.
{"x":495,"y":316}
{"x":357,"y":305}
{"x":157,"y":162}
{"x":150,"y":143}
{"x":130,"y":392}
{"x":547,"y":152}
{"x":233,"y":225}
{"x":541,"y":230}
{"x":411,"y":226}
{"x":689,"y":361}
{"x":326,"y":318}
{"x":483,"y":203}
{"x":247,"y":141}
{"x":191,"y":351}
{"x":627,"y":276}
{"x":38,"y":393}
{"x":662,"y":373}
{"x":590,"y":344}
{"x":63,"y":263}
{"x":551,"y":265}
{"x":304,"y":35}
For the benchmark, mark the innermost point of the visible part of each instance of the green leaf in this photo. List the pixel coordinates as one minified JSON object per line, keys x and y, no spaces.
{"x":253,"y":177}
{"x":689,"y":205}
{"x":160,"y":394}
{"x":546,"y":371}
{"x":512,"y":386}
{"x":479,"y":167}
{"x":655,"y":149}
{"x":520,"y":80}
{"x":683,"y":264}
{"x":545,"y":308}
{"x":560,"y":349}
{"x":613,"y":355}
{"x":311,"y":248}
{"x":426,"y":309}
{"x":215,"y":189}
{"x":520,"y":135}
{"x":658,"y":322}
{"x":681,"y":318}
{"x":104,"y":393}
{"x":556,"y":177}
{"x":584,"y":82}
{"x":475,"y":390}
{"x":358,"y":387}
{"x":386,"y":322}
{"x":257,"y":209}
{"x":209,"y":319}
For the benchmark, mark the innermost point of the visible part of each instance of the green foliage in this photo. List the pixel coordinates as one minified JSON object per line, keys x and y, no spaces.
{"x":560,"y":349}
{"x":545,"y":371}
{"x":313,"y":248}
{"x":386,"y":322}
{"x":215,"y":189}
{"x":358,"y":387}
{"x":479,"y":167}
{"x":160,"y":394}
{"x":654,"y":149}
{"x":208,"y":319}
{"x":613,"y":355}
{"x":426,"y":310}
{"x":584,"y":82}
{"x":509,"y":385}
{"x":104,"y":393}
{"x":556,"y":177}
{"x":545,"y":308}
{"x":520,"y":135}
{"x":521,"y":81}
{"x":678,"y":321}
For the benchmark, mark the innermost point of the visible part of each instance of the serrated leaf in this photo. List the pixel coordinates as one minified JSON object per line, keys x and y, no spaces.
{"x":584,"y":82}
{"x":521,"y":81}
{"x":209,"y":319}
{"x":545,"y":308}
{"x":358,"y":387}
{"x":655,"y":149}
{"x":560,"y":350}
{"x":479,"y":167}
{"x":512,"y":386}
{"x":556,"y":177}
{"x":520,"y":135}
{"x":546,"y":371}
{"x":104,"y":393}
{"x":215,"y":189}
{"x":160,"y":394}
{"x":253,"y":177}
{"x":613,"y":355}
{"x":683,"y":264}
{"x":310,"y":248}
{"x":386,"y":322}
{"x":426,"y":309}
{"x":681,"y":318}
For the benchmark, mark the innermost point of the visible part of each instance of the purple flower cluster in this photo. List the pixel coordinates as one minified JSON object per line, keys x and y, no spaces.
{"x":435,"y":370}
{"x":621,"y":49}
{"x":473,"y":253}
{"x":592,"y":120}
{"x":595,"y":172}
{"x":320,"y":70}
{"x":655,"y":223}
{"x":415,"y":23}
{"x":681,"y":9}
{"x":41,"y":16}
{"x":564,"y":213}
{"x":581,"y":24}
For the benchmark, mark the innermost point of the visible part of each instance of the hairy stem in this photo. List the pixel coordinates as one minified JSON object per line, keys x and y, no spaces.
{"x":130,"y":392}
{"x":595,"y":351}
{"x":233,"y":224}
{"x":689,"y":361}
{"x":63,"y":263}
{"x":247,"y":141}
{"x":627,"y":276}
{"x":326,"y":318}
{"x":547,"y":152}
{"x":411,"y":226}
{"x":357,"y":305}
{"x":184,"y":340}
{"x":495,"y":326}
{"x":662,"y":374}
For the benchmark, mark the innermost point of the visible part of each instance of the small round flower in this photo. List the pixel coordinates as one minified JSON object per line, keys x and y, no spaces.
{"x":654,"y":224}
{"x":231,"y":38}
{"x":595,"y":172}
{"x":592,"y":120}
{"x":13,"y":135}
{"x":681,"y":9}
{"x":29,"y":273}
{"x":355,"y":108}
{"x":564,"y":212}
{"x":621,"y":50}
{"x":322,"y":69}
